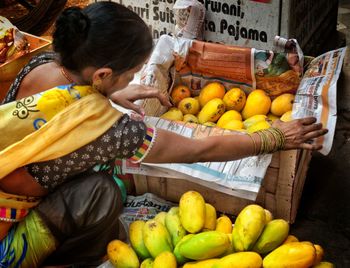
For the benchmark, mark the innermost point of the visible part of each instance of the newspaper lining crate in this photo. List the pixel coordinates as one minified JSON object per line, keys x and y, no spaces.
{"x":280,"y":192}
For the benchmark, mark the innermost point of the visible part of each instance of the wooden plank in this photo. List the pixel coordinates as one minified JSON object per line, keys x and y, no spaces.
{"x":271,"y":180}
{"x":275,"y":161}
{"x":271,"y":204}
{"x":140,"y":182}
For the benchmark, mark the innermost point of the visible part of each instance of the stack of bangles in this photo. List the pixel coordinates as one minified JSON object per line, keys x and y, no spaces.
{"x":271,"y":140}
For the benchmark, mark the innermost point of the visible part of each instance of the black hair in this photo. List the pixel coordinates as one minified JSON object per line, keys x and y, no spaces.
{"x":103,"y":34}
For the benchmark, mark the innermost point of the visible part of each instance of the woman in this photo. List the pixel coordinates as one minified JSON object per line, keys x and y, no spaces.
{"x":66,"y":130}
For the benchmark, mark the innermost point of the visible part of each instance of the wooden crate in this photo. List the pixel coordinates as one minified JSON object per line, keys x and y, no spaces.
{"x":280,"y":192}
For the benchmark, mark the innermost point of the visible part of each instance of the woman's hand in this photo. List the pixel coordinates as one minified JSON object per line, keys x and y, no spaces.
{"x":133,"y":92}
{"x":300,"y":132}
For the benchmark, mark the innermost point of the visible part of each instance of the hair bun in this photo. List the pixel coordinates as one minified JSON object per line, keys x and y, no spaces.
{"x":72,"y":28}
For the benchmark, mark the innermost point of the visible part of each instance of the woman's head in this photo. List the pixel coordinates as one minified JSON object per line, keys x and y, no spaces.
{"x":103,"y":36}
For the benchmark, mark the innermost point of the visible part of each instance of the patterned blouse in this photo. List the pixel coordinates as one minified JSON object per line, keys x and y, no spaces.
{"x":127,"y":138}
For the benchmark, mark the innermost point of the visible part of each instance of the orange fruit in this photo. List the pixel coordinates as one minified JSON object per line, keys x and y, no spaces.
{"x":211,"y":91}
{"x":179,"y":93}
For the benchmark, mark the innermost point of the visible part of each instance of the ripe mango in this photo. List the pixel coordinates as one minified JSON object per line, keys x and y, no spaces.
{"x":190,"y":118}
{"x":156,"y":238}
{"x":179,"y":258}
{"x":233,"y":125}
{"x":287,"y":116}
{"x":240,"y":260}
{"x":293,"y":255}
{"x":201,"y":264}
{"x":189,"y":106}
{"x":210,"y":217}
{"x":258,"y":102}
{"x":258,"y":126}
{"x":230,"y":249}
{"x":209,"y":124}
{"x":192,"y":211}
{"x":319,"y":254}
{"x":248,"y":226}
{"x":272,"y":117}
{"x":229,"y":116}
{"x":121,"y":255}
{"x":273,"y":235}
{"x":136,"y":239}
{"x":178,"y":93}
{"x":173,"y":114}
{"x":235,"y":99}
{"x":224,"y":224}
{"x":165,"y":259}
{"x":160,"y":217}
{"x":147,"y":263}
{"x":174,"y":226}
{"x":211,"y":91}
{"x":290,"y":238}
{"x":282,"y":104}
{"x":254,"y":119}
{"x":268,"y":216}
{"x":211,"y":111}
{"x":205,"y":245}
{"x":324,"y":264}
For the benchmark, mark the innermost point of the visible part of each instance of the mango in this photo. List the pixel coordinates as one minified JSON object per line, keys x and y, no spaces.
{"x":273,"y":235}
{"x":229,"y":116}
{"x":211,"y":91}
{"x":174,"y":226}
{"x":173,"y":114}
{"x":179,"y":258}
{"x":211,"y":111}
{"x":319,"y":254}
{"x":147,"y":263}
{"x":230,"y":249}
{"x":210,"y":217}
{"x":156,"y":238}
{"x":282,"y":104}
{"x":268,"y":216}
{"x":287,"y":116}
{"x":290,"y":238}
{"x":209,"y":124}
{"x":121,"y":255}
{"x":179,"y":93}
{"x":235,"y":99}
{"x":248,"y":226}
{"x":165,"y":259}
{"x":254,"y":119}
{"x":205,"y":245}
{"x":136,"y":239}
{"x":258,"y":126}
{"x":240,"y":260}
{"x":233,"y":125}
{"x":201,"y":264}
{"x":160,"y":217}
{"x":189,"y":106}
{"x":192,"y":211}
{"x":258,"y":102}
{"x":324,"y":264}
{"x":272,"y":117}
{"x":293,"y":255}
{"x":224,"y":224}
{"x":190,"y":118}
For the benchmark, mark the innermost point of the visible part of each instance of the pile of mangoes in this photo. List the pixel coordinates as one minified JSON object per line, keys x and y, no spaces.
{"x":191,"y":236}
{"x":230,"y":109}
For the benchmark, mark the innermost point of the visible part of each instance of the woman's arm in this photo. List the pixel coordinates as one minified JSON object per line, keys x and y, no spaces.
{"x":172,"y":148}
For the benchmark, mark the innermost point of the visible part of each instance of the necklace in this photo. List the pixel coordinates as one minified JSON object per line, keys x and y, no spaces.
{"x":66,"y":75}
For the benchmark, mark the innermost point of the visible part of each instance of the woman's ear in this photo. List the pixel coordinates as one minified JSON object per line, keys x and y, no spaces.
{"x":102,"y":74}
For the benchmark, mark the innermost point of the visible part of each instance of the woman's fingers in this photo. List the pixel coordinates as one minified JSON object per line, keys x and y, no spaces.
{"x":308,"y":146}
{"x":315,"y":134}
{"x":313,"y":127}
{"x":308,"y":120}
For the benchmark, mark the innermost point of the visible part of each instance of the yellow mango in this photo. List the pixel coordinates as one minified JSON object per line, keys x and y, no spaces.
{"x":147,"y":263}
{"x":174,"y":226}
{"x":211,"y":91}
{"x":201,"y":264}
{"x":324,"y":264}
{"x":165,"y":259}
{"x":205,"y":245}
{"x":235,"y":99}
{"x":121,"y":255}
{"x":249,"y":224}
{"x":287,"y":116}
{"x":173,"y":114}
{"x":210,"y":217}
{"x":233,"y":125}
{"x":179,"y":258}
{"x":136,"y":239}
{"x":272,"y":117}
{"x":189,"y":106}
{"x":258,"y":102}
{"x":319,"y":254}
{"x":290,"y":238}
{"x":254,"y":119}
{"x":209,"y":124}
{"x":282,"y":104}
{"x":192,"y":211}
{"x":240,"y":260}
{"x":230,"y":249}
{"x":212,"y":111}
{"x":227,"y":117}
{"x":160,"y":217}
{"x":291,"y":255}
{"x":224,"y":224}
{"x":190,"y":118}
{"x":259,"y":126}
{"x":156,"y":238}
{"x":268,"y":216}
{"x":273,"y":235}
